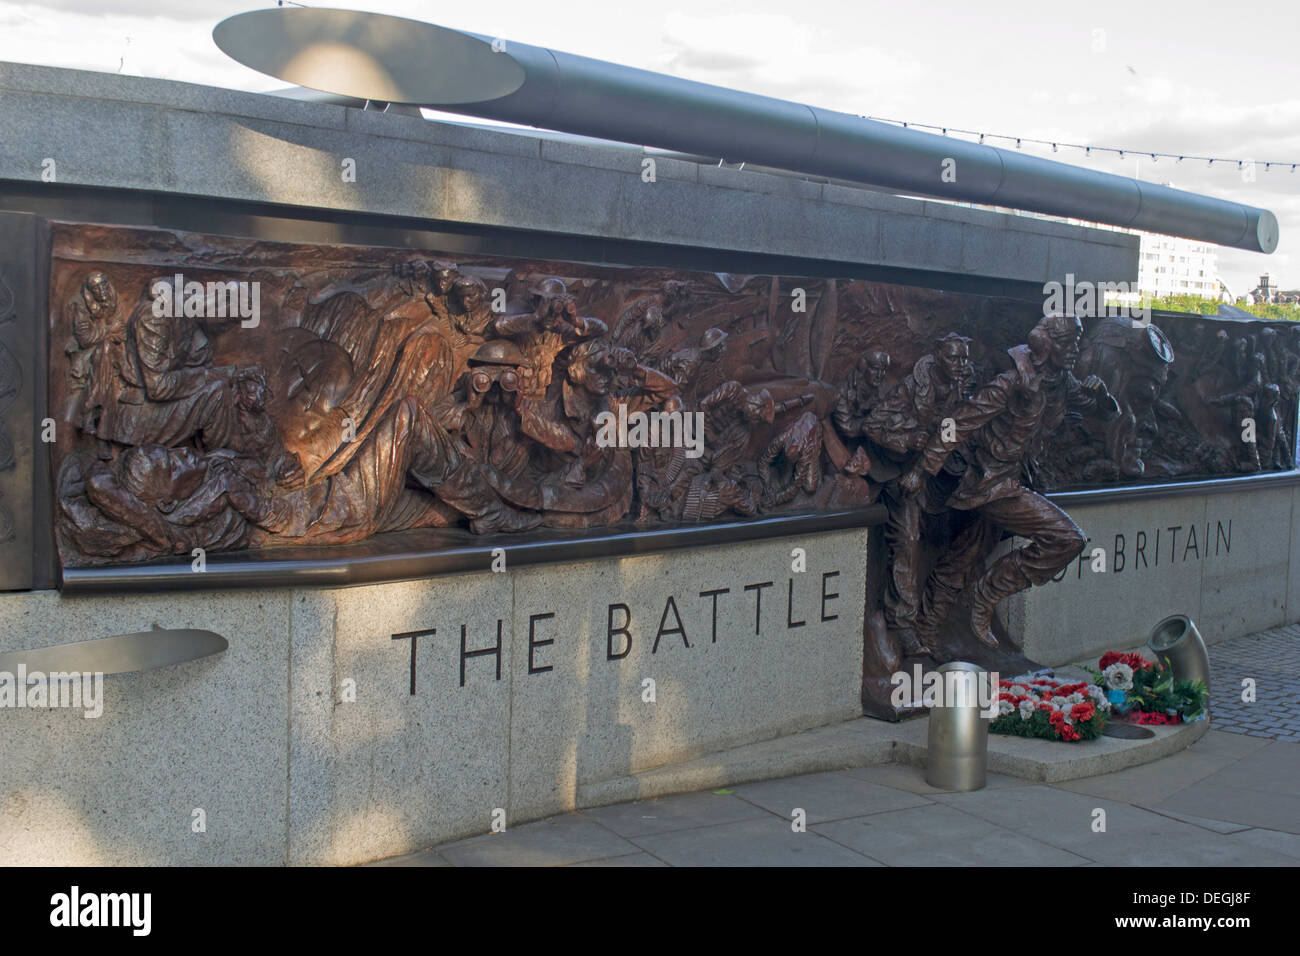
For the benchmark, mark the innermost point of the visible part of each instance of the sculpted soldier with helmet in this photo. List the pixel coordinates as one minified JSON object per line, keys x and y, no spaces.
{"x":998,"y":429}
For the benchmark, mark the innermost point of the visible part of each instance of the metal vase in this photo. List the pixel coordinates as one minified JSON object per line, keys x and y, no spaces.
{"x":1178,"y":645}
{"x":957,"y":756}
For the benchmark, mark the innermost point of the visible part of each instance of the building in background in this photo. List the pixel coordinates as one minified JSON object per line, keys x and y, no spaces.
{"x":1168,"y":265}
{"x":1268,"y":292}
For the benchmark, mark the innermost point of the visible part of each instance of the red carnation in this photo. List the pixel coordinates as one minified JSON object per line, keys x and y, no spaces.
{"x":1135,"y":661}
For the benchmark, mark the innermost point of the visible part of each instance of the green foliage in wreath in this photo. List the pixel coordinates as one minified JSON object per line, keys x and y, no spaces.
{"x":1190,"y":698}
{"x":1040,"y":725}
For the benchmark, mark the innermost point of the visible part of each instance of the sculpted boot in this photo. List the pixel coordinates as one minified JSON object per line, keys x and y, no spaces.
{"x":936,"y":601}
{"x":910,"y":644}
{"x":1005,"y":578}
{"x":982,"y":604}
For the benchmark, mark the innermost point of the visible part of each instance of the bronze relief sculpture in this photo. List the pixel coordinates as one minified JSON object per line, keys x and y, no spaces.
{"x":379,"y":392}
{"x":385,"y":396}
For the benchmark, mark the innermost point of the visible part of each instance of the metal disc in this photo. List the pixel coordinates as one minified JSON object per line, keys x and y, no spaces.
{"x":1160,"y":344}
{"x":369,"y":56}
{"x":122,"y":654}
{"x":1266,"y":231}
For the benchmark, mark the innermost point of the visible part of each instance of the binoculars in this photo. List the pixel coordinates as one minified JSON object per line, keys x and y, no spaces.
{"x":482,"y":379}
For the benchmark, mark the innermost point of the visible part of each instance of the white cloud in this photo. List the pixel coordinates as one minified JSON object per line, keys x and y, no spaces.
{"x":787,"y":57}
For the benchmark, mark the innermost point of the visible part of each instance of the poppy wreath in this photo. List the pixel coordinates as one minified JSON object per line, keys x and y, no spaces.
{"x":1050,"y":709}
{"x":1144,"y":692}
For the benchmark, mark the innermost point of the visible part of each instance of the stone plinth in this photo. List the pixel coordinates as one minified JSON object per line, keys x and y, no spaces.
{"x":315,"y":739}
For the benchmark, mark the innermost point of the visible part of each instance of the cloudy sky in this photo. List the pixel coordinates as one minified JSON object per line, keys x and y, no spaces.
{"x":1175,"y":77}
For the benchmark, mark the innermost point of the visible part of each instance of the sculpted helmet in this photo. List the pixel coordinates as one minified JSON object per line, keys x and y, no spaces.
{"x":952,"y":339}
{"x":1059,"y":325}
{"x":497,"y":352}
{"x":469,"y":286}
{"x":495,"y":362}
{"x":875,"y":357}
{"x":549,"y":288}
{"x":1052,"y":327}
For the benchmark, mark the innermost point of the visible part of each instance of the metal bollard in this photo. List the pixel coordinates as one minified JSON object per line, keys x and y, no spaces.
{"x":957,"y":757}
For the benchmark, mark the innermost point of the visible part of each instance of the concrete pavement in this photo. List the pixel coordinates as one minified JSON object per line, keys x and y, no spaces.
{"x":1228,"y":800}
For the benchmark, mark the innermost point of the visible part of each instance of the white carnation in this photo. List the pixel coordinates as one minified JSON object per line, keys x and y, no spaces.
{"x":1119,"y":676}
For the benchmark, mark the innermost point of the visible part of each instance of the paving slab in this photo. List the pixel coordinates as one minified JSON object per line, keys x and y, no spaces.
{"x":1218,"y":826}
{"x":1252,"y":807}
{"x":939,"y":835}
{"x":630,"y":860}
{"x":766,"y":842}
{"x":423,"y":858}
{"x":1272,"y":840}
{"x":568,"y":838}
{"x":1153,"y":783}
{"x":1262,"y":789}
{"x":681,"y":812}
{"x":1226,"y":746}
{"x":1133,"y":836}
{"x":1273,"y":768}
{"x":827,"y":796}
{"x":903,"y":776}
